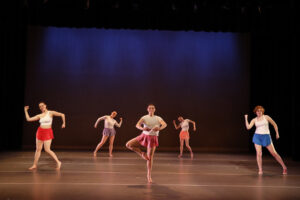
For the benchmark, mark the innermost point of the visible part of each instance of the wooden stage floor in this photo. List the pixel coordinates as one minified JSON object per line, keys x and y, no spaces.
{"x":123,"y":177}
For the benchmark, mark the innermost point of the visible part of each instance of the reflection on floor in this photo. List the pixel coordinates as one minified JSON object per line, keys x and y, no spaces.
{"x":207,"y":176}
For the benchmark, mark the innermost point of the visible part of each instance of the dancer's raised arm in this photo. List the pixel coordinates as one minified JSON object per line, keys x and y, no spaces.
{"x":249,"y":126}
{"x":120,"y":123}
{"x":28,"y":118}
{"x":175,"y":125}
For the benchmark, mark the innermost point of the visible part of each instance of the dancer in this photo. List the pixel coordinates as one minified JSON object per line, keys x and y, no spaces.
{"x":150,"y":125}
{"x":184,"y":135}
{"x":108,"y":131}
{"x":262,"y":137}
{"x":44,"y":134}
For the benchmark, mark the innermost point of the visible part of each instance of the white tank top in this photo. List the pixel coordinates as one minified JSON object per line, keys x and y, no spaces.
{"x":46,"y":120}
{"x":185,"y":125}
{"x":109,"y":122}
{"x":262,"y":126}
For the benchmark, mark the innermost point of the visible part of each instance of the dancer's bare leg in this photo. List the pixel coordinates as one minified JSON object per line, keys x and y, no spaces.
{"x":111,"y":145}
{"x":181,"y":148}
{"x":101,"y":143}
{"x":258,"y":149}
{"x":277,"y":157}
{"x":134,"y":145}
{"x":187,"y":144}
{"x":39,"y":147}
{"x":150,"y":153}
{"x":47,"y":147}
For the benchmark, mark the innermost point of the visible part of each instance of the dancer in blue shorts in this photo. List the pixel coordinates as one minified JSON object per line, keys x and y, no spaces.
{"x":262,"y":137}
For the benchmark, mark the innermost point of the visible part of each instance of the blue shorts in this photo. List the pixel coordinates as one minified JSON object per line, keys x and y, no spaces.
{"x":262,"y":139}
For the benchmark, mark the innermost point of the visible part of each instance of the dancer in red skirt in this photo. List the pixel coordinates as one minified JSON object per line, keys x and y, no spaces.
{"x":184,"y":135}
{"x":44,"y":134}
{"x":150,"y":125}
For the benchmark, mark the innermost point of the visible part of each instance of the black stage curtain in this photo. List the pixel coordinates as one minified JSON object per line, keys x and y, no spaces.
{"x":274,"y":85}
{"x":273,"y":77}
{"x":13,"y":40}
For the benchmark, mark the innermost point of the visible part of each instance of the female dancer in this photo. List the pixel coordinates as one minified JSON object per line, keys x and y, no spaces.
{"x":150,"y":125}
{"x":108,"y":131}
{"x":44,"y":134}
{"x":262,"y":137}
{"x":184,"y":134}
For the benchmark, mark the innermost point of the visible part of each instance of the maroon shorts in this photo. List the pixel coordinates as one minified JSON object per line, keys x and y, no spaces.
{"x":44,"y":134}
{"x":148,"y":141}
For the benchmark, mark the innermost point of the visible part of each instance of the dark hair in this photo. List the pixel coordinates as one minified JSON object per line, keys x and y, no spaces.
{"x":150,"y":104}
{"x":43,"y":103}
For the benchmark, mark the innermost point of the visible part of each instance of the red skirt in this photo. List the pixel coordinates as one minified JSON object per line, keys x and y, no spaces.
{"x":148,"y":141}
{"x":44,"y":134}
{"x":184,"y":135}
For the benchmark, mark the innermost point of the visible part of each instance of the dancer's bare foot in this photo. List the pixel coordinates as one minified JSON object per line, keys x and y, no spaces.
{"x":33,"y":167}
{"x":260,"y":172}
{"x":95,"y":154}
{"x":149,"y":179}
{"x":144,"y":156}
{"x":180,"y":155}
{"x":284,"y":172}
{"x":110,"y":155}
{"x":192,"y":156}
{"x":58,"y":165}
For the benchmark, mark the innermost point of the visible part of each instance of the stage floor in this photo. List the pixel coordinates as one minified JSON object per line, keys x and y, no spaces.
{"x":208,"y":176}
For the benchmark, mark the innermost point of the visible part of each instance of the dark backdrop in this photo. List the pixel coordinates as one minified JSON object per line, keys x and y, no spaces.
{"x":87,"y":73}
{"x":274,"y":57}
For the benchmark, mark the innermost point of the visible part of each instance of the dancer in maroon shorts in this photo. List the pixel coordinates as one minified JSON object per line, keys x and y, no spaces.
{"x":150,"y":125}
{"x":44,"y":134}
